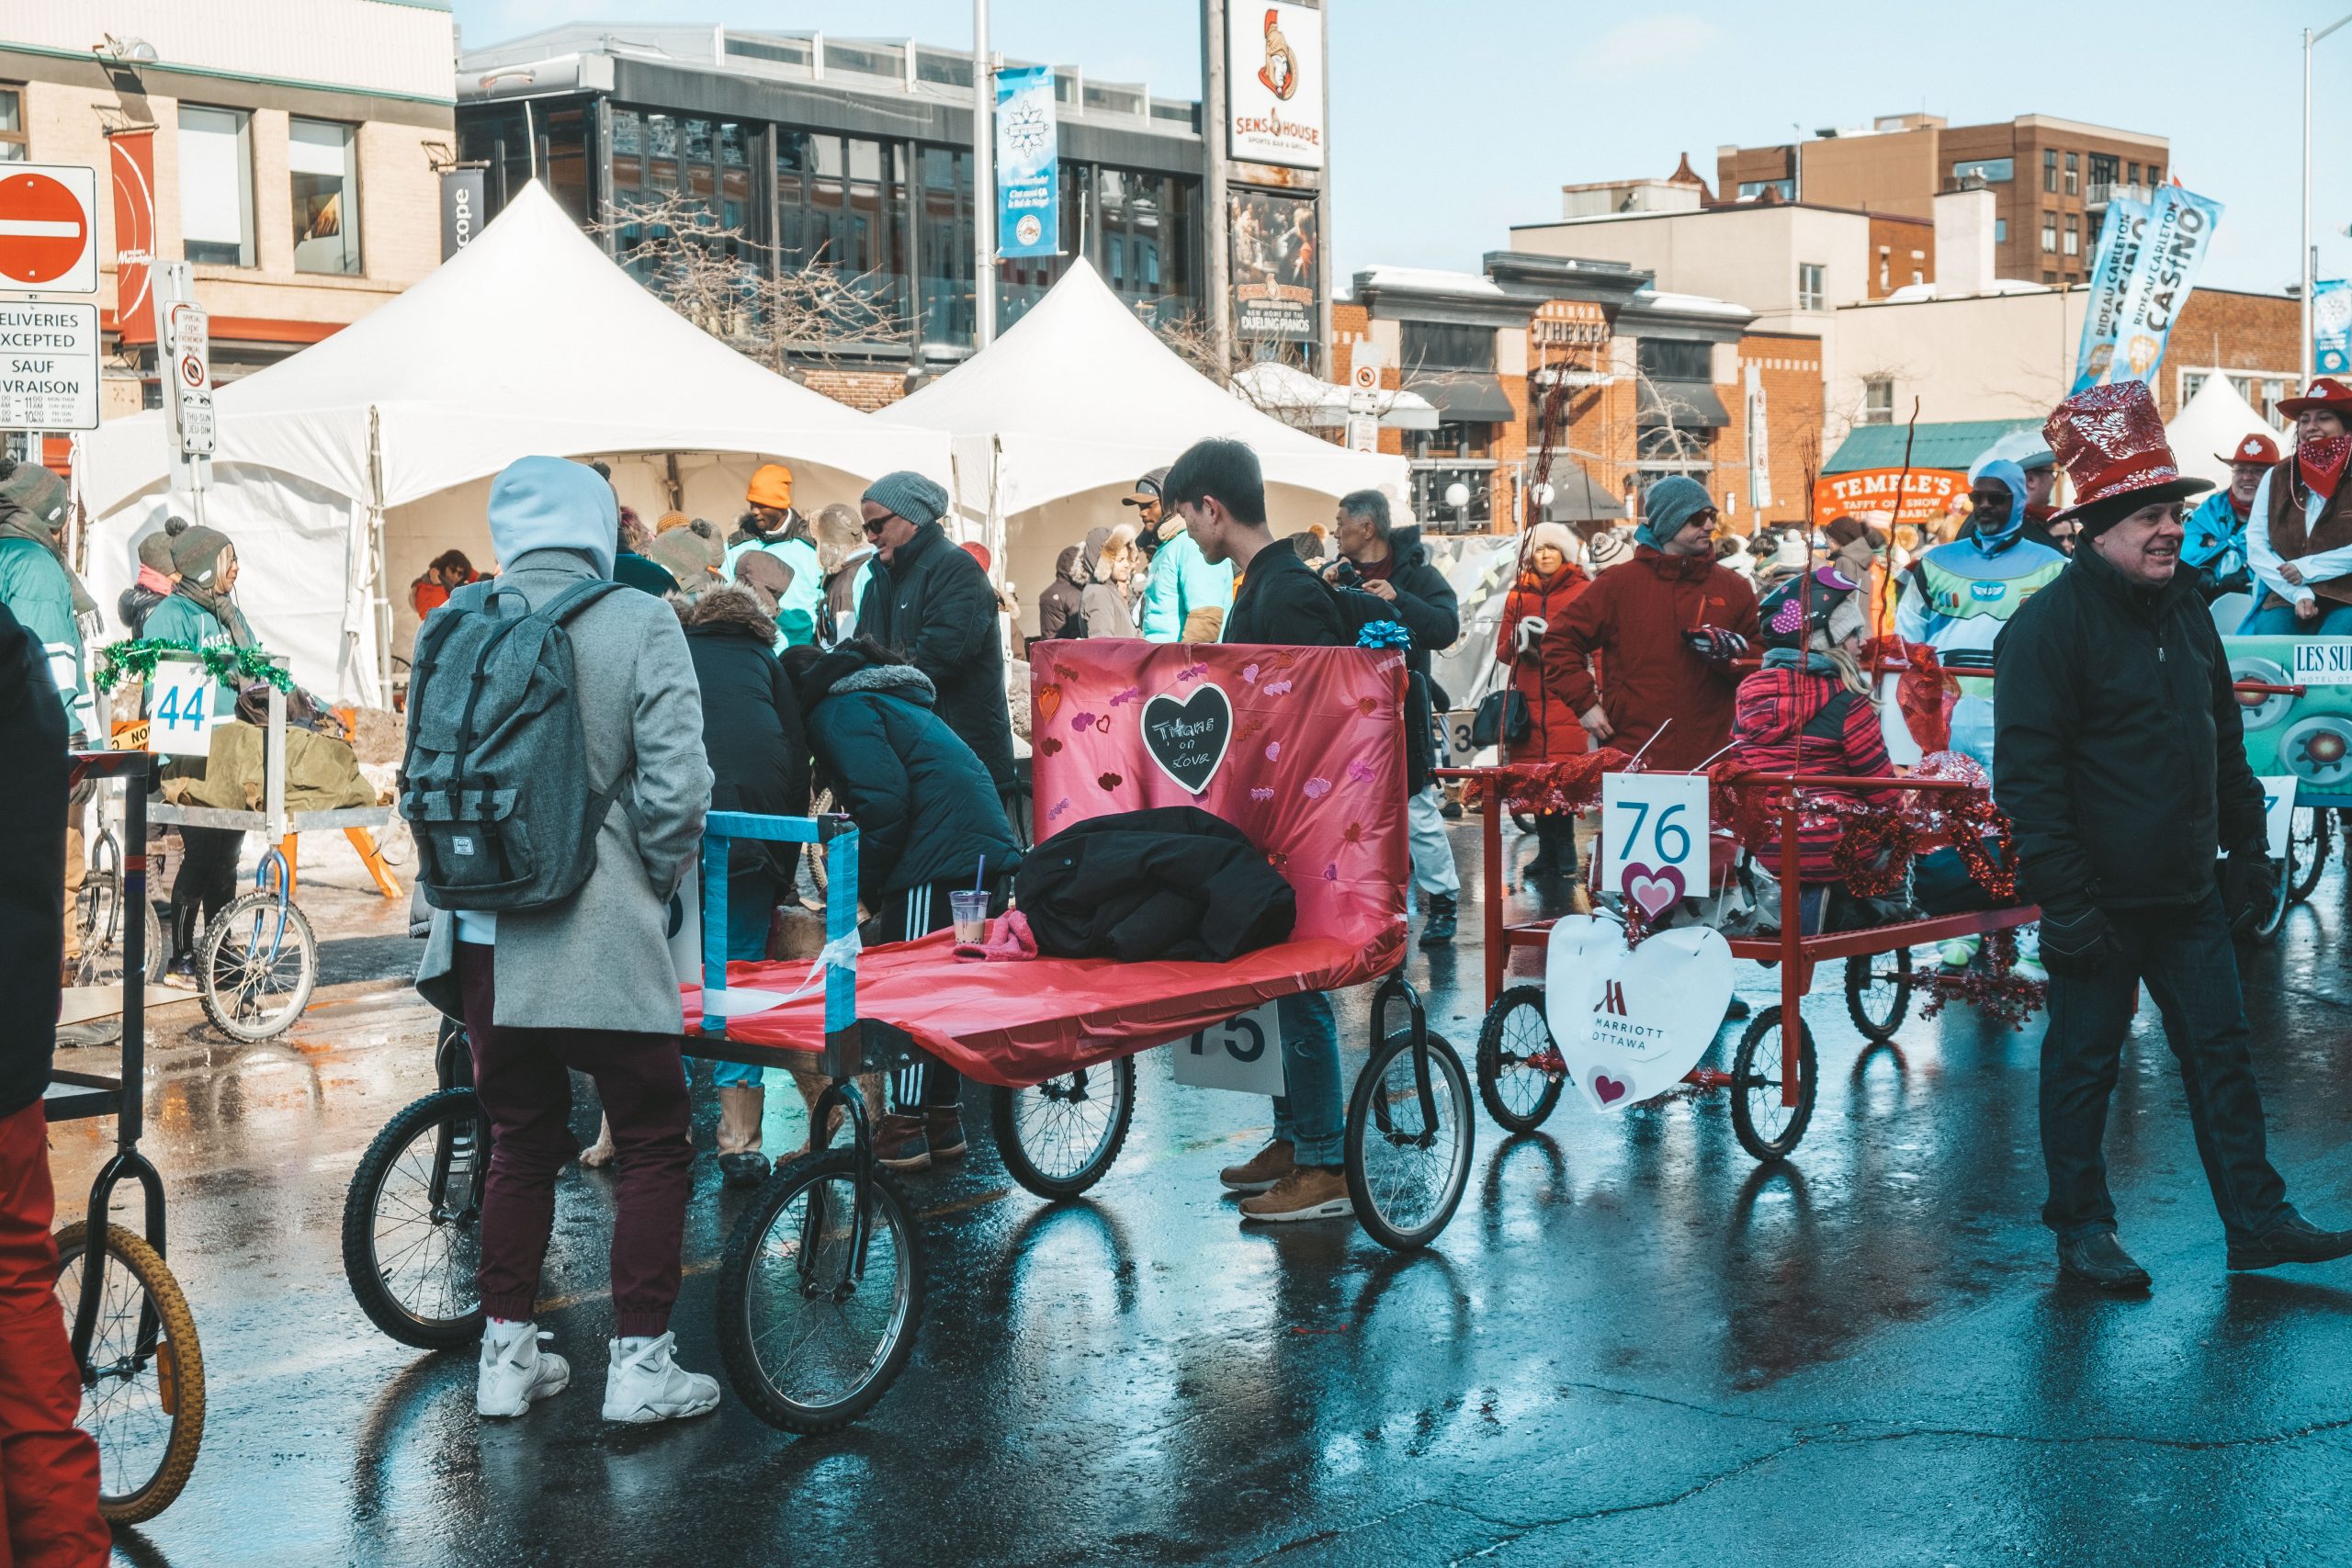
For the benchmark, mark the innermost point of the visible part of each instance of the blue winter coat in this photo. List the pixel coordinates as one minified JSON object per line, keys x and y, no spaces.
{"x":1181,"y":582}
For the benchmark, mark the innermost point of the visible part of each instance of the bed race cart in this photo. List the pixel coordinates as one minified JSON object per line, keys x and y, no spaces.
{"x":821,"y":1284}
{"x":2295,"y":697}
{"x":129,"y":1325}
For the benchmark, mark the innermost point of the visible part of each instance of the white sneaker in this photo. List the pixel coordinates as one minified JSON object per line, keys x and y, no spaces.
{"x":645,"y":1385}
{"x":515,"y":1373}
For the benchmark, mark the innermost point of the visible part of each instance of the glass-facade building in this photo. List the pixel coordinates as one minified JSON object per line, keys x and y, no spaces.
{"x":849,"y":154}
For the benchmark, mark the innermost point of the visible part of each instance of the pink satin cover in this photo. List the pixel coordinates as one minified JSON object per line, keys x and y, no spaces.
{"x":1314,"y":773}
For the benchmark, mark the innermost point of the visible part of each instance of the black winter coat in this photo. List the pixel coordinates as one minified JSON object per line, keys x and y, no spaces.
{"x":751,"y":720}
{"x":1281,"y":601}
{"x":936,"y":605}
{"x":2119,"y":752}
{"x":32,"y":865}
{"x":1058,"y":603}
{"x":1169,"y":883}
{"x":926,"y":808}
{"x":1425,"y":602}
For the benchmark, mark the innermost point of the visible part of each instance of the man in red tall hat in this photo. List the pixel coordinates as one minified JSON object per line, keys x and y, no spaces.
{"x":2299,"y":530}
{"x":2214,"y":541}
{"x":2120,"y":757}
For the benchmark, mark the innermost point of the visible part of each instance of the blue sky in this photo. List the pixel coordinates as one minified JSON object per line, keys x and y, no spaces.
{"x":1444,"y":133}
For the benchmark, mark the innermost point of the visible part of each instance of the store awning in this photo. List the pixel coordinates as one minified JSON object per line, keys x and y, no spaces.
{"x":1949,"y":444}
{"x":1577,"y":497}
{"x":1686,"y":405}
{"x":1465,"y":396}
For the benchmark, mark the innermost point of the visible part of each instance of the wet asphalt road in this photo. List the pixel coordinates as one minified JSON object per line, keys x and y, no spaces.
{"x":1633,"y":1346}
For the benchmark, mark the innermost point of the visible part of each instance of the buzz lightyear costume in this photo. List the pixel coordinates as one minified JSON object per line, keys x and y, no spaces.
{"x":1956,"y":599}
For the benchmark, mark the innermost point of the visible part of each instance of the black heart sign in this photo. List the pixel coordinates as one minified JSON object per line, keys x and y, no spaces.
{"x":1188,"y":738}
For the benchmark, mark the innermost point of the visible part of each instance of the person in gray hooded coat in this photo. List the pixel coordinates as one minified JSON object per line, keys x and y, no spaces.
{"x":586,"y":983}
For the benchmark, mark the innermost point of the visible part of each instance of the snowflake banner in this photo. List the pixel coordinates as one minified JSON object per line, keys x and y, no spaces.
{"x":1027,"y":182}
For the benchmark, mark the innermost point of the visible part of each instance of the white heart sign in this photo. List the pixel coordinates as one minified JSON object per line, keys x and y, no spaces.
{"x":1631,"y":1023}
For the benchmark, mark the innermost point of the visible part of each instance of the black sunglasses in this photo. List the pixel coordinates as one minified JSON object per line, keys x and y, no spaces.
{"x":874,"y":529}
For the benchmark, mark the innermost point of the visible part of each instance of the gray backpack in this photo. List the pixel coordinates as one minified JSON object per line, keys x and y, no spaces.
{"x":495,"y":781}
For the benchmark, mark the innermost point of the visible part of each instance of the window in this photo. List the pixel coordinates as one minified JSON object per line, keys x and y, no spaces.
{"x":945,"y":244}
{"x":1878,"y":400}
{"x":1813,"y":290}
{"x":2000,"y":230}
{"x":838,"y":206}
{"x":2074,"y":174}
{"x":2155,"y":175}
{"x":1669,"y":359}
{"x":1143,"y":239}
{"x":1918,"y":277}
{"x":322,"y":166}
{"x":1992,"y":171}
{"x":704,"y":165}
{"x":2074,"y":247}
{"x":2191,"y":383}
{"x":2049,"y":278}
{"x":1885,"y":267}
{"x":1447,"y":346}
{"x":1750,"y":189}
{"x":2134,"y":183}
{"x":216,"y":185}
{"x":2050,"y":231}
{"x":14,"y":146}
{"x":2104,"y":169}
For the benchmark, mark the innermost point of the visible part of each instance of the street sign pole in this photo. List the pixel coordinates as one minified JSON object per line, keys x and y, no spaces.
{"x":183,"y":338}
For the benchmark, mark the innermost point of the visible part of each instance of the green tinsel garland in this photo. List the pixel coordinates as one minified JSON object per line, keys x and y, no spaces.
{"x":231,"y":666}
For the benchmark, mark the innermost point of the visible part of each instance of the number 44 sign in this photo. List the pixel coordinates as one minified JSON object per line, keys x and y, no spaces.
{"x":1653,"y":835}
{"x":182,"y":709}
{"x":1243,"y":1053}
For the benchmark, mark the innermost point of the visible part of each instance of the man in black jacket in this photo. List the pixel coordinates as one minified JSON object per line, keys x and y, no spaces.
{"x":934,"y":602}
{"x":1221,"y":493}
{"x":49,"y":1469}
{"x":1391,"y":564}
{"x":2120,"y":757}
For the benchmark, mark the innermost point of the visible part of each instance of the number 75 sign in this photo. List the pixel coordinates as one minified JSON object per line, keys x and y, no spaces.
{"x":1653,"y":838}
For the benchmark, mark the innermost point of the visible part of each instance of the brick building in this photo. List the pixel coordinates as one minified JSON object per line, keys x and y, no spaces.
{"x":293,"y":145}
{"x":2052,"y":179}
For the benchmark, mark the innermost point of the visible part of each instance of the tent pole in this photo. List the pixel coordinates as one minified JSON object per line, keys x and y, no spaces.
{"x":996,"y":512}
{"x":379,"y":564}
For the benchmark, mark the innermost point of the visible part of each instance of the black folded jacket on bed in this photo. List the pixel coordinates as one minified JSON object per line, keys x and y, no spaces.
{"x":1172,"y":882}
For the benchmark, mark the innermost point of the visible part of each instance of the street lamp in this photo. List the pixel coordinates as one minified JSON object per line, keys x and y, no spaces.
{"x":2310,"y":38}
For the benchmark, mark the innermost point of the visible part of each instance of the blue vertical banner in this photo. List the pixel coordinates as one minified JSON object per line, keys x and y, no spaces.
{"x":2172,"y":251}
{"x":1028,"y":201}
{"x":2332,"y":327}
{"x":2112,"y":273}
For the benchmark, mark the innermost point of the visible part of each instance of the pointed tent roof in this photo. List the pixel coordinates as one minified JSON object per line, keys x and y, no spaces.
{"x":2212,"y":423}
{"x":530,"y":340}
{"x":1083,"y":395}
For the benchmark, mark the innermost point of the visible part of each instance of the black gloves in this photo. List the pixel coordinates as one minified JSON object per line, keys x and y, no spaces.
{"x":1717,"y":645}
{"x":2249,"y":887}
{"x":2077,"y":940}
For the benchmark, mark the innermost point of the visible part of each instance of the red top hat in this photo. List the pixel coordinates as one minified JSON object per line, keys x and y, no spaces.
{"x":2111,"y":441}
{"x":2255,"y":448}
{"x":2327,"y":392}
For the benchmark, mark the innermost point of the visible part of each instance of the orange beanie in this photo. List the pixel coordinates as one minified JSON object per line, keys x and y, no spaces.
{"x":771,"y":486}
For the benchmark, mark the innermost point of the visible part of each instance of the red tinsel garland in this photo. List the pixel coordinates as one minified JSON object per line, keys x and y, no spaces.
{"x":1572,"y":786}
{"x":1991,"y":987}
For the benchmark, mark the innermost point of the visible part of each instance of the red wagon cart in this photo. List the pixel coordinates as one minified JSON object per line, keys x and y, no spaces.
{"x":1773,"y":1080}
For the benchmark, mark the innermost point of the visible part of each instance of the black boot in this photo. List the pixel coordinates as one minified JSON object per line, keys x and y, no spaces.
{"x":180,"y":971}
{"x":2292,"y":1240}
{"x":1437,"y":926}
{"x":1556,"y":855}
{"x":2098,"y":1259}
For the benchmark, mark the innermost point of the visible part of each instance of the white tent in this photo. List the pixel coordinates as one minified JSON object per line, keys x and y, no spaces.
{"x":2212,"y":425}
{"x":383,"y":437}
{"x":1301,"y":398}
{"x":1058,"y":417}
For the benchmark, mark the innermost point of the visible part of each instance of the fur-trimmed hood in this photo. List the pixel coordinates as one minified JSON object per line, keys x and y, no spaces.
{"x":725,"y":607}
{"x":846,"y":670}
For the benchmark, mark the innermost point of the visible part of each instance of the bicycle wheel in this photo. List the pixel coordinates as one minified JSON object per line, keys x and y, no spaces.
{"x":1520,"y":1073}
{"x":810,"y":1338}
{"x":143,"y":1387}
{"x":1058,"y":1138}
{"x":258,"y":963}
{"x":411,"y":1221}
{"x":1406,"y":1171}
{"x":1767,"y":1128}
{"x":103,"y":948}
{"x":2268,"y":924}
{"x":1878,"y":991}
{"x":2307,"y":845}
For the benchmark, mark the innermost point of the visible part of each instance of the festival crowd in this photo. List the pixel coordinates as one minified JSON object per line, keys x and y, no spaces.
{"x":863,"y":655}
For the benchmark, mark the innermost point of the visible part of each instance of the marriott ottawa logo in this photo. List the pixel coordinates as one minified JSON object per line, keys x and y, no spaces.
{"x":1615,"y":1021}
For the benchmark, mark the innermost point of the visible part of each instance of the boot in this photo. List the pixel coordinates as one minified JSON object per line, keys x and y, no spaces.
{"x":740,"y":1107}
{"x":180,"y":972}
{"x":1547,"y":854}
{"x":1438,"y":926}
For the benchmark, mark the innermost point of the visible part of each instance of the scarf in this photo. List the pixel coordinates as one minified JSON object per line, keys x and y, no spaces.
{"x":197,"y":554}
{"x":2319,"y":464}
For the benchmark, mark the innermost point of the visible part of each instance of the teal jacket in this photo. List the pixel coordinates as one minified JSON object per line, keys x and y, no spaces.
{"x":181,"y":620}
{"x":796,"y":613}
{"x":1181,"y":582}
{"x":38,"y":592}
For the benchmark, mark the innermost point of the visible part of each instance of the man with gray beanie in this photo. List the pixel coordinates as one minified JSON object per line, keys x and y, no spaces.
{"x":934,"y":603}
{"x":1666,"y":625}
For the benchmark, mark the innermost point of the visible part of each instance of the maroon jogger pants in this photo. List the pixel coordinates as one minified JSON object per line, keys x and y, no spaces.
{"x":522,"y":1077}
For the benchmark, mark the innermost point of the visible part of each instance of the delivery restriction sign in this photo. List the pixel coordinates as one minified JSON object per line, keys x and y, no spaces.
{"x":49,"y":230}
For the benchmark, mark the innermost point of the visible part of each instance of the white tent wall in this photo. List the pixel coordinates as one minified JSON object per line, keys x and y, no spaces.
{"x":2214,"y":422}
{"x":296,"y":545}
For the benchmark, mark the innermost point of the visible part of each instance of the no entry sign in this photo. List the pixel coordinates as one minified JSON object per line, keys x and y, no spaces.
{"x":49,"y":228}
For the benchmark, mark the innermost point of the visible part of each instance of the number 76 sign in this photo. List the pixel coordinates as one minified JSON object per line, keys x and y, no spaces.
{"x":1653,"y":838}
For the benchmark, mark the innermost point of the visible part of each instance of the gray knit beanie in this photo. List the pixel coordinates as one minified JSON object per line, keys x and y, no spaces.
{"x":909,"y":495}
{"x":1670,"y":504}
